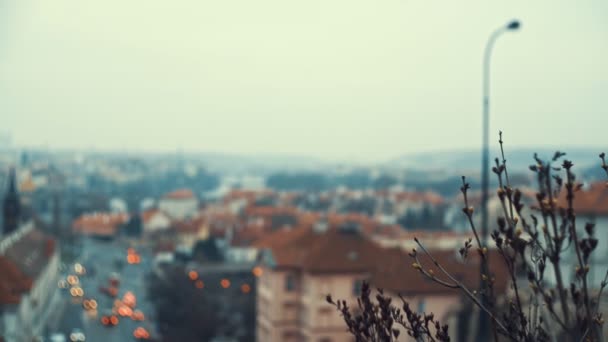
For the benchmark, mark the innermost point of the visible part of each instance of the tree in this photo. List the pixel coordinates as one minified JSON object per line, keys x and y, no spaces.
{"x":533,"y":239}
{"x":207,"y":251}
{"x":198,"y":308}
{"x":384,"y":182}
{"x":134,"y":226}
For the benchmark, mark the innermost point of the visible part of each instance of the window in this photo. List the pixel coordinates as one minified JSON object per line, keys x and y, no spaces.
{"x":290,"y":311}
{"x":325,"y":317}
{"x":357,"y":285}
{"x":289,"y":336}
{"x":421,"y":305}
{"x":290,"y":283}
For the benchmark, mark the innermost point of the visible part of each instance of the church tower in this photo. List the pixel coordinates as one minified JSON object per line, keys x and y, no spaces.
{"x":11,"y":205}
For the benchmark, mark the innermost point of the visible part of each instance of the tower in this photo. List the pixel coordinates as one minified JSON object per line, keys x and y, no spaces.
{"x":11,"y":205}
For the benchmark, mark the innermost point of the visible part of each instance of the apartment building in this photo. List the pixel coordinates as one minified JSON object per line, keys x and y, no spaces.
{"x":29,"y":263}
{"x":299,"y":267}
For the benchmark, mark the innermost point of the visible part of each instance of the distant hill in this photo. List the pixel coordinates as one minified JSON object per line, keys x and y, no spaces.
{"x":517,"y":159}
{"x":264,"y":164}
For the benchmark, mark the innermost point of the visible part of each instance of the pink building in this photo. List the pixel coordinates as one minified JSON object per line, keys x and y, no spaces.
{"x":301,"y":266}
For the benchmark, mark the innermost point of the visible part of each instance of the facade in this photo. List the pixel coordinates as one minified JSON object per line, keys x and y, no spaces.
{"x":179,"y":204}
{"x":29,"y":263}
{"x":154,"y":220}
{"x":103,"y":225}
{"x":188,"y":232}
{"x":302,"y":266}
{"x":590,"y":205}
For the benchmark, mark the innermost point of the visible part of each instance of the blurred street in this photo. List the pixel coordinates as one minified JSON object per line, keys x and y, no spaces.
{"x":100,"y":259}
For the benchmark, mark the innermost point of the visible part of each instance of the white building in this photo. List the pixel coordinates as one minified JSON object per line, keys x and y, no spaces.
{"x":180,"y":204}
{"x":154,"y":220}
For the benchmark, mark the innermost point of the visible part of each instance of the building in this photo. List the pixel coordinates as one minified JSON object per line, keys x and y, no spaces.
{"x":11,"y":206}
{"x":301,"y":266}
{"x":188,"y":232}
{"x":29,"y":263}
{"x":179,"y":204}
{"x":102,"y":225}
{"x":154,"y":220}
{"x":591,"y":206}
{"x":29,"y":266}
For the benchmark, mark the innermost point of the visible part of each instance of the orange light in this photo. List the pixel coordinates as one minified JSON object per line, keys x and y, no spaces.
{"x":129,"y":299}
{"x":245,"y":288}
{"x":138,"y":315}
{"x":193,"y":275}
{"x":114,"y":320}
{"x":131,"y":258}
{"x":225,"y":283}
{"x":122,"y":311}
{"x":141,"y":333}
{"x":72,"y":280}
{"x":105,"y":320}
{"x":125,"y":311}
{"x":257,"y":271}
{"x":199,"y":284}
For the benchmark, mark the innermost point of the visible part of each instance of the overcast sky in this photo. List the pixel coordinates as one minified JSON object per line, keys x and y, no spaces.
{"x":338,"y":79}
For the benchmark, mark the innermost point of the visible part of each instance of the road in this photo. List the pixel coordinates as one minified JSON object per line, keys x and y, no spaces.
{"x":103,"y":257}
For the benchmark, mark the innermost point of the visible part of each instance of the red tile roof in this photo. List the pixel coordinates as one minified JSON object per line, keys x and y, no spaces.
{"x":103,"y":224}
{"x":180,"y":194}
{"x":593,"y":201}
{"x":31,"y":252}
{"x":147,"y":215}
{"x":191,"y":226}
{"x":248,"y":195}
{"x":247,"y":236}
{"x":426,"y":197}
{"x":267,"y":211}
{"x":395,"y":272}
{"x":12,"y":283}
{"x":335,"y":251}
{"x":22,"y":263}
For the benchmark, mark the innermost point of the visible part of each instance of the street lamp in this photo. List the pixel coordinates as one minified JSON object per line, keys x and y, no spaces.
{"x":485,"y":167}
{"x":485,"y":163}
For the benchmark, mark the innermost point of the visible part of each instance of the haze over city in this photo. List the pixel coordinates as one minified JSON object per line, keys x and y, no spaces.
{"x":303,"y":171}
{"x":349,"y":80}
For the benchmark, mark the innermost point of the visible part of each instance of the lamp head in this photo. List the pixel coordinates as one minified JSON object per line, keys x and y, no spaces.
{"x":513,"y":25}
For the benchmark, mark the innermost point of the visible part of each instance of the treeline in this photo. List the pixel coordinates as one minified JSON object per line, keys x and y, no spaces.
{"x":153,"y":186}
{"x":362,"y":180}
{"x":316,"y":181}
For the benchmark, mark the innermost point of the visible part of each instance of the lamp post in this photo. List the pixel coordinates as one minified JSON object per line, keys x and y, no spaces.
{"x":485,"y":163}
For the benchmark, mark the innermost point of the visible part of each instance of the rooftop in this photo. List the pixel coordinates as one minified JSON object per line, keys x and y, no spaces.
{"x":339,"y":251}
{"x":179,"y":194}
